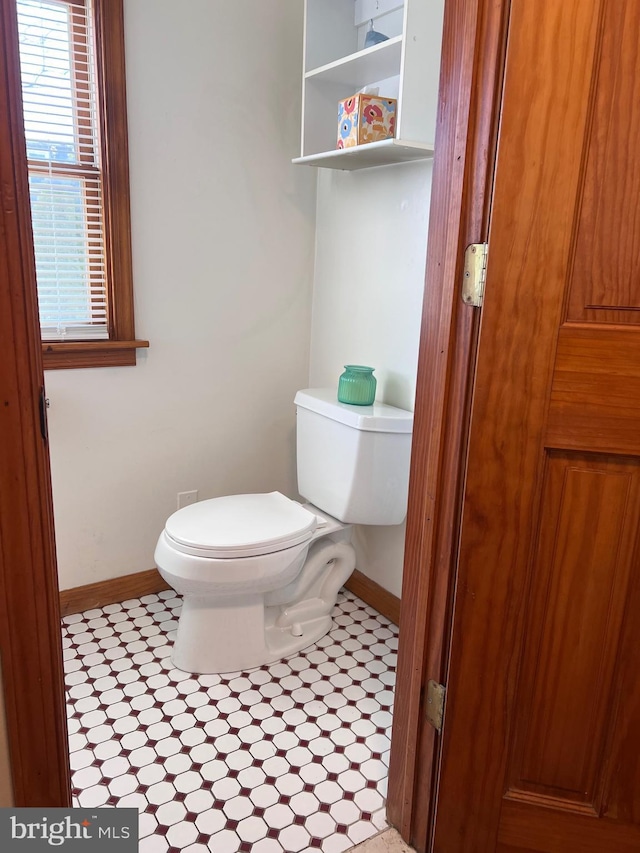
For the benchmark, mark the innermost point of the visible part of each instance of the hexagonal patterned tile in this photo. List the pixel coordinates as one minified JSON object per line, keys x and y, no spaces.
{"x":285,"y":758}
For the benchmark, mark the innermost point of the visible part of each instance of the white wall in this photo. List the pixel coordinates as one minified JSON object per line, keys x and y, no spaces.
{"x":369,"y":280}
{"x":223,"y":235}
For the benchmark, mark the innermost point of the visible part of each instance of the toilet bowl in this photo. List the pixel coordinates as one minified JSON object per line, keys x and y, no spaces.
{"x":260,"y":574}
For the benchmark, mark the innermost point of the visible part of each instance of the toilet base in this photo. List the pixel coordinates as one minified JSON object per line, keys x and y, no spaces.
{"x":281,"y":642}
{"x":195,"y":653}
{"x":207,"y":640}
{"x":218,"y":634}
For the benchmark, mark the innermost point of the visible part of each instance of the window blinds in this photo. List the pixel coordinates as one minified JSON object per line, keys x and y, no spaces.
{"x":63,"y":150}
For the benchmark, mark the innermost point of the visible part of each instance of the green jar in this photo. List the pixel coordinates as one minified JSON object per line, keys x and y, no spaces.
{"x":357,"y":385}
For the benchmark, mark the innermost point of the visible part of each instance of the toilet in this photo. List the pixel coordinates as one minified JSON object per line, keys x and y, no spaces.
{"x":260,"y":574}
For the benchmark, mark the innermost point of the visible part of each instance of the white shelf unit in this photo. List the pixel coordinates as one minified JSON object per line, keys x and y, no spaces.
{"x":337,"y":65}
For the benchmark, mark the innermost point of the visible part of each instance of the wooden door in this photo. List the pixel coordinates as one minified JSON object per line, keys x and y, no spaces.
{"x":541,"y":740}
{"x":30,"y":637}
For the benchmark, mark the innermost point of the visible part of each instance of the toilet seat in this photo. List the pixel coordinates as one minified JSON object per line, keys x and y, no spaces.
{"x":237,"y":526}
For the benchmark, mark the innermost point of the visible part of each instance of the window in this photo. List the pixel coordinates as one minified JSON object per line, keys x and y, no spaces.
{"x":72,"y":70}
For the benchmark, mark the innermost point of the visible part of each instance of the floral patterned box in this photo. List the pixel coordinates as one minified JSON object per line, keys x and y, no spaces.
{"x":365,"y":118}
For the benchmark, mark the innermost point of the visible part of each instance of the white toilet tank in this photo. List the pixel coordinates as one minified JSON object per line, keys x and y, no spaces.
{"x":353,"y":461}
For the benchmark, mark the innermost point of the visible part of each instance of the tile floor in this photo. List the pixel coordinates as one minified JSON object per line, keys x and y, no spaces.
{"x":286,"y":758}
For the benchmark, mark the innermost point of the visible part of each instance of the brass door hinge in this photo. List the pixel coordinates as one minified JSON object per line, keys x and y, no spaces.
{"x":436,"y":694}
{"x":475,"y":271}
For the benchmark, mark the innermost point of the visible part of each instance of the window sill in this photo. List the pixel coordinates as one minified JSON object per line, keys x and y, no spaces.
{"x":76,"y":354}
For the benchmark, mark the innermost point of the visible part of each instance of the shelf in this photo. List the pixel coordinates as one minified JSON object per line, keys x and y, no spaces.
{"x":406,"y":67}
{"x":364,"y":67}
{"x":381,"y":153}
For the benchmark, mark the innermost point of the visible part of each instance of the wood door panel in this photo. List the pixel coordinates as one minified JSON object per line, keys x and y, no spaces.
{"x":509,"y":848}
{"x":605,"y":284}
{"x":621,"y":795}
{"x":510,"y":400}
{"x":580,"y":579}
{"x":30,"y":637}
{"x":525,"y":828}
{"x":595,"y":396}
{"x":541,"y":736}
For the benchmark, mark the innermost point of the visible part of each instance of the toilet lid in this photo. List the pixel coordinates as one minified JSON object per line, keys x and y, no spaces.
{"x":240,"y":525}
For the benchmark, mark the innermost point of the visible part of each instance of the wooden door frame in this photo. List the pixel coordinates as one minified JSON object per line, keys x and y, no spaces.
{"x":30,"y":637}
{"x":474,"y":44}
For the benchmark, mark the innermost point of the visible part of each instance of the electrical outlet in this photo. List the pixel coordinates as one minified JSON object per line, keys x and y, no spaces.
{"x":187,"y":498}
